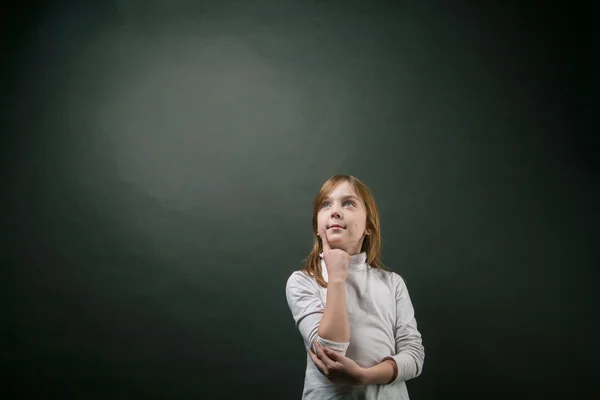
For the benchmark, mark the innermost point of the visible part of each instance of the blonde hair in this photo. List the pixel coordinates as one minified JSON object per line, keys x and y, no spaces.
{"x":371,"y":243}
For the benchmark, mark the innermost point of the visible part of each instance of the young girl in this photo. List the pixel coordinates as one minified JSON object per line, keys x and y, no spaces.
{"x":356,"y":318}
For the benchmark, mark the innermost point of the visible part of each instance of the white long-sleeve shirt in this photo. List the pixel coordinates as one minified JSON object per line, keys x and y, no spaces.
{"x":382,"y":324}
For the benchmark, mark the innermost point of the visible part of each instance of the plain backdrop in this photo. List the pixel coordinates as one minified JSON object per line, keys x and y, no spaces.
{"x":161,"y":158}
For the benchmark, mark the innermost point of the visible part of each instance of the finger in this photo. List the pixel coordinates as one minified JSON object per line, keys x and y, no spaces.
{"x":318,"y":363}
{"x":324,"y":240}
{"x":329,"y":363}
{"x":332,"y":354}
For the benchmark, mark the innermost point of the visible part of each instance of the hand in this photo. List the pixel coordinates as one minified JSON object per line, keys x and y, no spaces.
{"x":336,"y":260}
{"x":336,"y":367}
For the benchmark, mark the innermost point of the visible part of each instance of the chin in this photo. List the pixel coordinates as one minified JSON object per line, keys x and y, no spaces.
{"x":337,"y":244}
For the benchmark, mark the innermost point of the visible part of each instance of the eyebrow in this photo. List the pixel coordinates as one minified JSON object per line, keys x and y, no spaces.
{"x":349,"y":196}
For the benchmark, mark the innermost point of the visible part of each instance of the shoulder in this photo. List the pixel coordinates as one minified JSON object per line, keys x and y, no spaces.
{"x":397,"y":280}
{"x":299,"y":288}
{"x":299,"y":279}
{"x":392,"y":279}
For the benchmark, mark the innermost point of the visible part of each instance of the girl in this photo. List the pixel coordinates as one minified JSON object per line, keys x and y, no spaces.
{"x":356,"y":318}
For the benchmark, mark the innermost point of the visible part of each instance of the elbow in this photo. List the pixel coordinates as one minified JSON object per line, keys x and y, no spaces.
{"x":410,"y":359}
{"x":419,"y":356}
{"x":419,"y":369}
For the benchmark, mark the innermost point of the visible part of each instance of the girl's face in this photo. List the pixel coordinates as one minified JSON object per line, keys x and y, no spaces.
{"x":343,"y":216}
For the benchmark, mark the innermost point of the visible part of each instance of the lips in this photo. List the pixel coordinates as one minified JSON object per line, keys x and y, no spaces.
{"x":336,"y":226}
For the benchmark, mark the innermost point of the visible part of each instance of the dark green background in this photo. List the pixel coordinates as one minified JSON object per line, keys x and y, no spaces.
{"x":161,"y":159}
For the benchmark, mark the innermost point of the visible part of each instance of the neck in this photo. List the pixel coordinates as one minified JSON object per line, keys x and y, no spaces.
{"x":357,"y":259}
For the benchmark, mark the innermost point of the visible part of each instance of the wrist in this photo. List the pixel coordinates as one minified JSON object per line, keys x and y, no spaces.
{"x":366,"y":376}
{"x":381,"y":374}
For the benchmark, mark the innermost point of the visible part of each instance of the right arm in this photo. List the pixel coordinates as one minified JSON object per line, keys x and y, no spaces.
{"x":334,"y":325}
{"x":326,"y":324}
{"x":302,"y":293}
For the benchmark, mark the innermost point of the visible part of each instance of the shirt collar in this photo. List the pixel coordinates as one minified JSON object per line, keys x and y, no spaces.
{"x":356,"y":260}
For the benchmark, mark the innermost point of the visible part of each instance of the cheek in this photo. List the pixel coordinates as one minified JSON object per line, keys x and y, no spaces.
{"x":359,"y":228}
{"x":321,"y":221}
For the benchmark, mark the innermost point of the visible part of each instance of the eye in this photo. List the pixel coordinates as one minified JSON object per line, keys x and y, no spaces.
{"x":349,"y":202}
{"x":325,"y":203}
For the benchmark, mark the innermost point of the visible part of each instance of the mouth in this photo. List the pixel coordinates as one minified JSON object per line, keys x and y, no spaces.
{"x":335,"y":226}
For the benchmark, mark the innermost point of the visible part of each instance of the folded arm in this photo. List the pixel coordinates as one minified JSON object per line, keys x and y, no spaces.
{"x":407,"y":363}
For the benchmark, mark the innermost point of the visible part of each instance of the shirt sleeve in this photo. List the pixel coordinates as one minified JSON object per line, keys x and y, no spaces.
{"x":303,"y":299}
{"x":410,"y":353}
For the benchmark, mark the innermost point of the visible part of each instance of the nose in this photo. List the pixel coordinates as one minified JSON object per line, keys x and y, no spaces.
{"x":335,"y":212}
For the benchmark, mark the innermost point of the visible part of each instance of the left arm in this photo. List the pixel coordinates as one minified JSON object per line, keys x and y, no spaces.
{"x":382,"y":373}
{"x":410,"y":353}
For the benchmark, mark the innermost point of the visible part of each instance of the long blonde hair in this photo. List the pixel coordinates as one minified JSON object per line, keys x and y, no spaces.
{"x":371,"y":244}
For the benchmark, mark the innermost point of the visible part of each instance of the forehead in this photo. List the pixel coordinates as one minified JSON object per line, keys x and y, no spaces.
{"x":343,"y":189}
